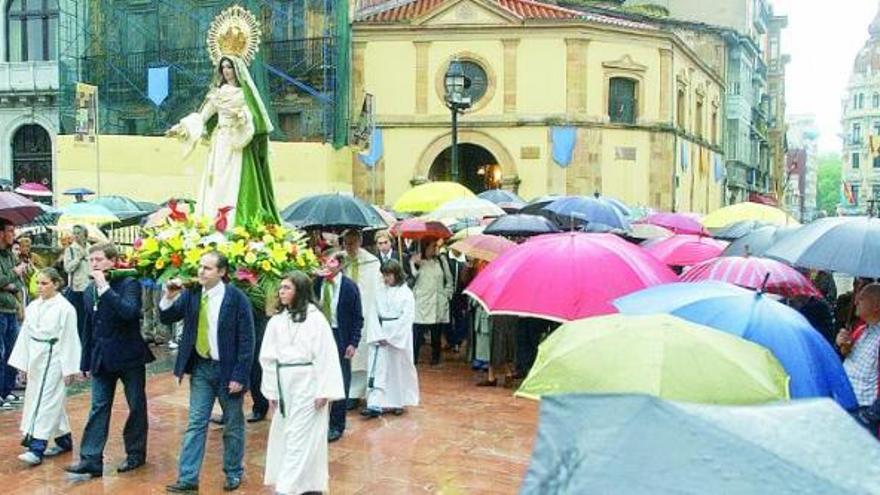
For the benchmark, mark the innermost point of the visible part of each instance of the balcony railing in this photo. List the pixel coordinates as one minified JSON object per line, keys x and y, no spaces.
{"x":29,"y":77}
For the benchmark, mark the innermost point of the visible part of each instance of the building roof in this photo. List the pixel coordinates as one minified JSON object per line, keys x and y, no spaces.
{"x":868,"y":59}
{"x":402,"y":12}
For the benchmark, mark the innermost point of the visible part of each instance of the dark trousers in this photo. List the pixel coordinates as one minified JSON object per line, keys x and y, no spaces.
{"x":528,"y":337}
{"x":338,"y":408}
{"x":261,"y":404}
{"x":134,"y":433}
{"x":419,"y":330}
{"x":8,"y":334}
{"x":77,"y":300}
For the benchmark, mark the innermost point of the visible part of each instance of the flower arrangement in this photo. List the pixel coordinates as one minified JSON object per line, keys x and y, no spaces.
{"x":259,"y":254}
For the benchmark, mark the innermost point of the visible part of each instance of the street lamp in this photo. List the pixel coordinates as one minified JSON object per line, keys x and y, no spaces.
{"x":455,"y":82}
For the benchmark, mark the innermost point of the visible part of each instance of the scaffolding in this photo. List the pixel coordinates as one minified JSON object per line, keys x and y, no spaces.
{"x":301,"y":69}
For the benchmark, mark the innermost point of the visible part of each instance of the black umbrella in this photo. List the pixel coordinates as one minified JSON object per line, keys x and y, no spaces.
{"x":838,"y":244}
{"x":508,"y":201}
{"x":758,"y":241}
{"x":520,"y":225}
{"x":332,"y":210}
{"x":738,"y":229}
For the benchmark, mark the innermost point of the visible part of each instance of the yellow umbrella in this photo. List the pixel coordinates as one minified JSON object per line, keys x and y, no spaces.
{"x":723,"y":217}
{"x":429,"y":197}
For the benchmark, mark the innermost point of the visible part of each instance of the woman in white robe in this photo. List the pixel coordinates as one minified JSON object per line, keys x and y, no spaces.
{"x":393,"y":382}
{"x":48,"y":350}
{"x":301,"y":375}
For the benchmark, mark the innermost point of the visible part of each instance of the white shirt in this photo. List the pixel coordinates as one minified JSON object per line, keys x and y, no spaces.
{"x":215,"y":301}
{"x":334,"y":302}
{"x":861,"y":366}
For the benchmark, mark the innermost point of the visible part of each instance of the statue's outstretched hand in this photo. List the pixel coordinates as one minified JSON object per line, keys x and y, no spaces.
{"x":176,"y":131}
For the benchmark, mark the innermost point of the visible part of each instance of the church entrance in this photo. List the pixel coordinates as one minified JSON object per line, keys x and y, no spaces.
{"x":32,"y":156}
{"x":478,"y":169}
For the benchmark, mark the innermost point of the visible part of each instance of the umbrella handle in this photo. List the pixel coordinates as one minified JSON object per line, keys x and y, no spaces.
{"x":764,"y":283}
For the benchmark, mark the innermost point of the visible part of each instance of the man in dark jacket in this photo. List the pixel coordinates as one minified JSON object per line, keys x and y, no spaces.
{"x":10,"y":285}
{"x":216,"y":350}
{"x":112,"y":351}
{"x":340,"y":301}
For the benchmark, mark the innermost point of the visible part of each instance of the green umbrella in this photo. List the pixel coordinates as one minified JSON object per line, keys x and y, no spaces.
{"x":660,"y":355}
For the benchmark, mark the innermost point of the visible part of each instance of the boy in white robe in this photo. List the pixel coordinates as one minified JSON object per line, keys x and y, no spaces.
{"x":301,"y":374}
{"x":363,"y":268}
{"x":48,"y":350}
{"x":393,"y":382}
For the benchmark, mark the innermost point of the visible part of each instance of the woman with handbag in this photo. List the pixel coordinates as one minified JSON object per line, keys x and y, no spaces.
{"x":48,"y":351}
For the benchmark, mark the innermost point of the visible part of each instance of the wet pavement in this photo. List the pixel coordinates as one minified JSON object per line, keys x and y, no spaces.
{"x":462,"y":439}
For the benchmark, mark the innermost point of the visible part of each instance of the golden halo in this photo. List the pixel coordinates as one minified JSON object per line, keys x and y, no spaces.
{"x":234,"y":32}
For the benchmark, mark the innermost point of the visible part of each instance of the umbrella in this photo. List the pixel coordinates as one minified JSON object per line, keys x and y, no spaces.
{"x":738,"y":229}
{"x":521,"y":225}
{"x":475,"y":208}
{"x":18,"y":209}
{"x":124,"y":208}
{"x":805,"y":355}
{"x":567,"y":276}
{"x":332,"y":210}
{"x":34,"y":189}
{"x":78,"y":191}
{"x":617,"y":204}
{"x":48,"y":217}
{"x":94,"y":233}
{"x":429,"y":196}
{"x":686,"y":250}
{"x":6,"y":185}
{"x":482,"y":247}
{"x":467,"y":232}
{"x":417,"y":228}
{"x":754,"y":273}
{"x":599,"y":215}
{"x":642,"y":445}
{"x":758,"y":241}
{"x":660,"y":355}
{"x":648,"y":231}
{"x":723,"y":217}
{"x":82,"y":213}
{"x":505,"y":199}
{"x":676,"y":222}
{"x":838,"y":244}
{"x":386,"y":215}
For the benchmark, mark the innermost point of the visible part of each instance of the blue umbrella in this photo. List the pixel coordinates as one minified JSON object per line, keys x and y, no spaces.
{"x":836,"y":244}
{"x":502,"y":198}
{"x":332,"y":210}
{"x":520,"y":225}
{"x":636,"y":444}
{"x":598,"y":214}
{"x":813,"y":365}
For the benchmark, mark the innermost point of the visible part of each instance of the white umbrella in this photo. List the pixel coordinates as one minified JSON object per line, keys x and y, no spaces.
{"x":466,"y":208}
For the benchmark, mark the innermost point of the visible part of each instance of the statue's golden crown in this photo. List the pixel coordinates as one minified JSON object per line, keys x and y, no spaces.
{"x":234,"y":32}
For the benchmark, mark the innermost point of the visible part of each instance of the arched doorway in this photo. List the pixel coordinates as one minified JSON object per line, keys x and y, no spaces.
{"x":478,"y":169}
{"x":32,"y":156}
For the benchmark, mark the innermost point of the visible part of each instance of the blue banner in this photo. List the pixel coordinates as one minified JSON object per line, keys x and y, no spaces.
{"x":720,"y":168}
{"x":374,"y":153}
{"x":684,"y":155}
{"x":157,"y":84}
{"x":563,"y":140}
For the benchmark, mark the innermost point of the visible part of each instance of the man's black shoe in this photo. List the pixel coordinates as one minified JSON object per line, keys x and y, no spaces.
{"x":256,"y":417}
{"x":334,"y":435}
{"x":179,"y":487}
{"x":82,"y":468}
{"x":129,"y":465}
{"x":231,"y":484}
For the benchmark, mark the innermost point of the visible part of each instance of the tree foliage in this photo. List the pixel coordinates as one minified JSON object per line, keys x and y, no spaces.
{"x":828,"y":179}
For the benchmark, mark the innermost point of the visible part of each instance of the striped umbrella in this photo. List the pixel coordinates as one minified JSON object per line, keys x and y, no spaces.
{"x":686,"y":250}
{"x":482,"y":247}
{"x":754,"y":273}
{"x":418,"y":228}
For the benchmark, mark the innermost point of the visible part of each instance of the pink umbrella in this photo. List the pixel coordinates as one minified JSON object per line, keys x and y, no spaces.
{"x":751,"y":272}
{"x":17,"y":209}
{"x":686,"y":250}
{"x":482,"y":246}
{"x":34,"y":189}
{"x":566,"y":277}
{"x":417,"y":228}
{"x":678,"y":223}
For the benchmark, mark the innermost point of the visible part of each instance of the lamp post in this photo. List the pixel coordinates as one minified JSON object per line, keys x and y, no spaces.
{"x":455,"y":82}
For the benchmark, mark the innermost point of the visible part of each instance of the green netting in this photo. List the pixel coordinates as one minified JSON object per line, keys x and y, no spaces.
{"x":343,"y":72}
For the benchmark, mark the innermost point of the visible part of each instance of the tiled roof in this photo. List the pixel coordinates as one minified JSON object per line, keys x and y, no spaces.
{"x":523,"y":9}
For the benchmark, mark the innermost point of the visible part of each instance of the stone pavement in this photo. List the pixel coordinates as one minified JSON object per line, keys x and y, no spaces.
{"x":462,"y":439}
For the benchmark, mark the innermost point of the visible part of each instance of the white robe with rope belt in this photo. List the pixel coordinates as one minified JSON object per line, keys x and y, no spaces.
{"x":369,"y":280}
{"x":46,"y":319}
{"x":395,"y":380}
{"x":296,"y":456}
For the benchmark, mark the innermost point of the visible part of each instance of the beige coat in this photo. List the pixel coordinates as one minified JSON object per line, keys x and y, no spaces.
{"x":433,"y":290}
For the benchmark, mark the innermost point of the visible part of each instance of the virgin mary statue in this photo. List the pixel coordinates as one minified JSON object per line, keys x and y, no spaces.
{"x":236,"y":180}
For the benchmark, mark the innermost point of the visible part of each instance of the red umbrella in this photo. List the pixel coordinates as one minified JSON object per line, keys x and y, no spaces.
{"x":17,"y":209}
{"x":565,"y":277}
{"x":678,"y":223}
{"x":482,"y":246}
{"x":686,"y":250}
{"x":751,"y":272}
{"x":417,"y":228}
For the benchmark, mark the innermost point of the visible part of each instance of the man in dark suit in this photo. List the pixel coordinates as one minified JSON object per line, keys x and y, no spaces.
{"x":340,"y":301}
{"x":216,"y":350}
{"x":113,"y":350}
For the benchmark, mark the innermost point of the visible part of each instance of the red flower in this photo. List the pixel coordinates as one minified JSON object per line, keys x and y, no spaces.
{"x":138,"y":243}
{"x":176,"y":260}
{"x":245,"y":275}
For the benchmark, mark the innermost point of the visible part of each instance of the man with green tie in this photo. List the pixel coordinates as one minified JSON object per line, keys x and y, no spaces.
{"x":216,"y":350}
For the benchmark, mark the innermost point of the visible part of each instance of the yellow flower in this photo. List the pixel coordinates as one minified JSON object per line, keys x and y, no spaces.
{"x":266,"y":265}
{"x":175,"y":243}
{"x":279,"y":253}
{"x":193,"y":256}
{"x":149,"y":245}
{"x":250,"y":258}
{"x":240,"y":231}
{"x":160,"y":263}
{"x":268,"y":239}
